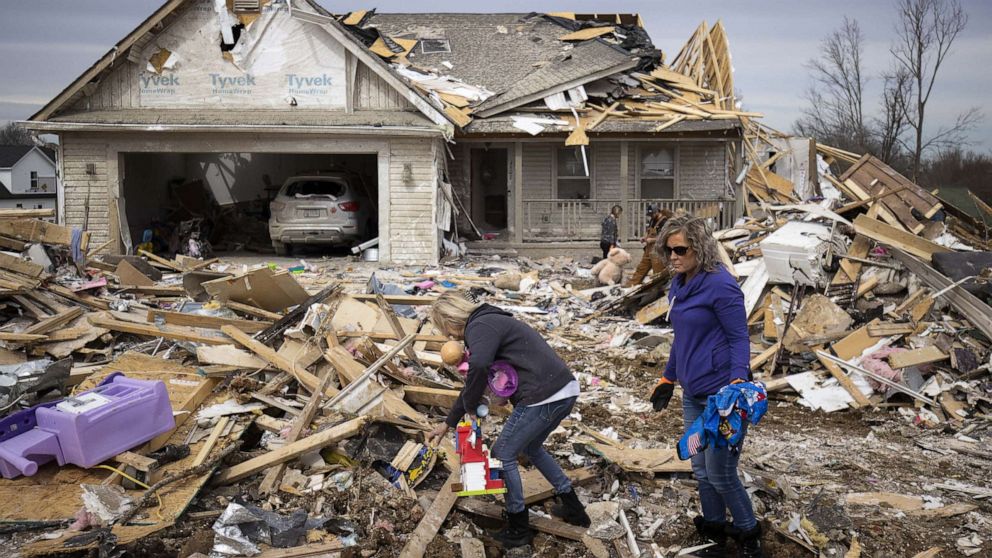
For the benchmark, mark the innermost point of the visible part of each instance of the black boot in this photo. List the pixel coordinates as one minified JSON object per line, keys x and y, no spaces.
{"x":711,"y":532}
{"x":517,"y":531}
{"x":570,"y":509}
{"x":748,"y":542}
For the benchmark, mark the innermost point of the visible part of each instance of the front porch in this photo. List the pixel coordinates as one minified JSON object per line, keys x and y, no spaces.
{"x":536,"y":190}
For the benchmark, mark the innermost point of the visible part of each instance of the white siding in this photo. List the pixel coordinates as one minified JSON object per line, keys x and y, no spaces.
{"x":78,"y":151}
{"x":606,"y":169}
{"x":373,"y":93}
{"x":537,"y":171}
{"x":20,"y":174}
{"x":413,"y":235}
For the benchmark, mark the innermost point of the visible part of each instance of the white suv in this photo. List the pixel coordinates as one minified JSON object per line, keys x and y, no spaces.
{"x":323,"y":208}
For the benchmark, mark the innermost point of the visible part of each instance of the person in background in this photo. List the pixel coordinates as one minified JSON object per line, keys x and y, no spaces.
{"x":610,"y":236}
{"x":710,"y":350}
{"x":650,"y":259}
{"x":546,"y":392}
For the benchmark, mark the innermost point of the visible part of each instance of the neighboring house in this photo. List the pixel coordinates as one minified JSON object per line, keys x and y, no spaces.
{"x":27,"y":177}
{"x":437,"y":110}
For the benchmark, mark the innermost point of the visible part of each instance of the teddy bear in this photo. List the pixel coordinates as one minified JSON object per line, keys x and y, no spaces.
{"x":610,"y":270}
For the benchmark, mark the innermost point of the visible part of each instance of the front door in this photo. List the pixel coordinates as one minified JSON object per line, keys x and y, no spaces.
{"x":490,"y":177}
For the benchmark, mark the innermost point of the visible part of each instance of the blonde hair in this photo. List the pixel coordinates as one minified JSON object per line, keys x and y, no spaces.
{"x":699,"y":237}
{"x":451,"y":311}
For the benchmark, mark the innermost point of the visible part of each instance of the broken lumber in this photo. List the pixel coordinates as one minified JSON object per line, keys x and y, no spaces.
{"x":176,"y":334}
{"x":206,"y":322}
{"x":916,"y":357}
{"x":542,"y":524}
{"x":891,"y":236}
{"x":53,"y":322}
{"x":36,"y":230}
{"x":860,"y":400}
{"x":426,"y":530}
{"x":432,"y":397}
{"x":290,"y":451}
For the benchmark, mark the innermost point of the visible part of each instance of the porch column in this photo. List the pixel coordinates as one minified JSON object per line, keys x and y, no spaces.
{"x":517,"y":209}
{"x":624,"y":187}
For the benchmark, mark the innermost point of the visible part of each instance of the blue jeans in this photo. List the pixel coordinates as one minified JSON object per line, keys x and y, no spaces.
{"x":525,"y":432}
{"x":720,"y":488}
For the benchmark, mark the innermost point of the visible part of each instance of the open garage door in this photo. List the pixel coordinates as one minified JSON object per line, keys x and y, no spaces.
{"x":198,"y":204}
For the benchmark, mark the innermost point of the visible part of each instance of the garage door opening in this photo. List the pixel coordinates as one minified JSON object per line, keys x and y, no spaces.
{"x":202,"y":204}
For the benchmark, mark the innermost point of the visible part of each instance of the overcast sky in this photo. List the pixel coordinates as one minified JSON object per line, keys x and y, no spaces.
{"x":45,"y":44}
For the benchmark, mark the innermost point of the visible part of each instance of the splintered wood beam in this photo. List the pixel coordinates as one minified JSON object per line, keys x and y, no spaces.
{"x":176,"y":334}
{"x":206,"y":322}
{"x":542,"y":524}
{"x":53,"y":322}
{"x":426,"y":530}
{"x":300,"y":424}
{"x":253,"y":310}
{"x":291,"y":451}
{"x":860,"y":400}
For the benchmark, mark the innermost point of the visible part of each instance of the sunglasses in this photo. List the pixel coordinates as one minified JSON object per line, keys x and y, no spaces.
{"x":677,"y":250}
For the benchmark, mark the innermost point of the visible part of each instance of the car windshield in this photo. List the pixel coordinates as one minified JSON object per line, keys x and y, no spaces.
{"x":333,"y":188}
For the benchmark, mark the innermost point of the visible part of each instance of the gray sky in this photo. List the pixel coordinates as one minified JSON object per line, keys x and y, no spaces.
{"x":45,"y":44}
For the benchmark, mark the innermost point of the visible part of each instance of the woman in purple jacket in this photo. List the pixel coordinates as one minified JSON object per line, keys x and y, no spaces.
{"x":710,"y":350}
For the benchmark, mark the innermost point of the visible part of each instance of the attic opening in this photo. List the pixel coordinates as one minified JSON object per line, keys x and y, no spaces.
{"x":235,"y":33}
{"x":434,"y":46}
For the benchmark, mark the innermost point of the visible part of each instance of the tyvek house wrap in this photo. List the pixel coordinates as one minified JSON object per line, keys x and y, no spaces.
{"x":277,"y":61}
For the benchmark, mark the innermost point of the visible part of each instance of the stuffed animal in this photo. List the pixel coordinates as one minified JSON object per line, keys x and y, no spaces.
{"x":610,"y":270}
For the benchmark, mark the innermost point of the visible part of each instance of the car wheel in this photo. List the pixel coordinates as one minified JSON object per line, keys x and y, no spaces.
{"x":281,"y":248}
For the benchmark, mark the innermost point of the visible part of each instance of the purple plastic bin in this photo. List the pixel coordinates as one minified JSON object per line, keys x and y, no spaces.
{"x":86,"y":429}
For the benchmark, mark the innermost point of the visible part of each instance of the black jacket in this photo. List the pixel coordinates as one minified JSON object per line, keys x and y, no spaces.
{"x":492,"y":334}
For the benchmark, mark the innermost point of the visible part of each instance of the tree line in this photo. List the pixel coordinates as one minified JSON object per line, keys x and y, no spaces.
{"x":897,"y":130}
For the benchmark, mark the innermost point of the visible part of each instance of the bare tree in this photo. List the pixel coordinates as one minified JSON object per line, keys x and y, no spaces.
{"x":888,"y":129}
{"x":925,"y":30}
{"x":835,"y":110}
{"x":13,"y":134}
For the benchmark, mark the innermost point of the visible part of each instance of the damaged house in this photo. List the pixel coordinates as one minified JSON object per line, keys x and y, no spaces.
{"x":522,"y":128}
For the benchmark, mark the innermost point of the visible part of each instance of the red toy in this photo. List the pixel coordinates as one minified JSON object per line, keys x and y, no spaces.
{"x":480,"y":473}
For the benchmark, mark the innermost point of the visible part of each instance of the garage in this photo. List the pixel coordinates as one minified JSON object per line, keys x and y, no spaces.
{"x":202,"y":203}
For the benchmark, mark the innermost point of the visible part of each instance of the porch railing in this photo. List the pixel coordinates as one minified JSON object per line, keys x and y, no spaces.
{"x":557,"y":220}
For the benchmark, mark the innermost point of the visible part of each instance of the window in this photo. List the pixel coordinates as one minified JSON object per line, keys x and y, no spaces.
{"x":327,"y":188}
{"x":574,"y":182}
{"x":34,"y":181}
{"x":20,"y":206}
{"x":39,"y":206}
{"x":657,"y":172}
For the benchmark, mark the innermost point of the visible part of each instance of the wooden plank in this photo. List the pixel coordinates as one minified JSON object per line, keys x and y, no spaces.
{"x":12,"y":213}
{"x":389,"y":336}
{"x":206,"y":322}
{"x":652,"y":311}
{"x":537,"y":488}
{"x":162,"y":261}
{"x":229,"y":355}
{"x":433,"y":397}
{"x":21,"y":337}
{"x":54,"y":322}
{"x":128,"y":275}
{"x":902,"y":240}
{"x":18,"y":265}
{"x":860,"y":400}
{"x":917,"y":357}
{"x":397,"y":327}
{"x":272,"y":357}
{"x":855,"y":343}
{"x":765,"y":356}
{"x":211,"y":441}
{"x":643,"y":460}
{"x":292,"y":450}
{"x":426,"y":530}
{"x":253,"y":310}
{"x":403,"y":300}
{"x":542,"y":524}
{"x":857,"y":192}
{"x":183,"y":334}
{"x":300,"y":425}
{"x":35,"y":230}
{"x":320,"y":550}
{"x":885,"y":329}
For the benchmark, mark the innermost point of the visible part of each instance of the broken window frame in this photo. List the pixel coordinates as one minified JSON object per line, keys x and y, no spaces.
{"x":439,"y":41}
{"x":558,"y":177}
{"x":640,"y":179}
